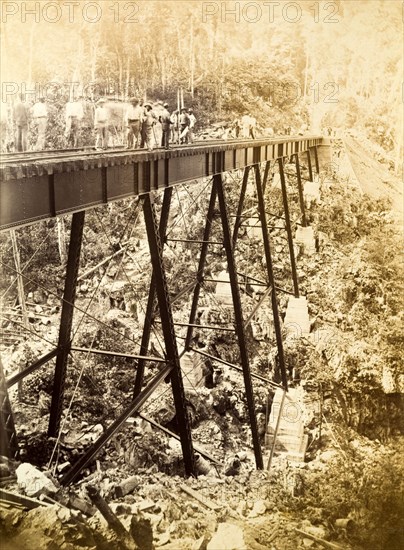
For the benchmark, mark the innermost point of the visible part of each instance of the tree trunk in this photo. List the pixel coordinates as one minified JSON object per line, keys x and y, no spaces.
{"x":191,"y":58}
{"x":127,"y":83}
{"x":31,"y":50}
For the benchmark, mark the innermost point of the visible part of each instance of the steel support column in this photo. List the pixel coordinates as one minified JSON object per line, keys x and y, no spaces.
{"x":270,"y":275}
{"x":300,"y":188}
{"x":163,"y":297}
{"x":201,"y":266}
{"x":288,"y":228}
{"x":240,"y":207}
{"x":148,"y":321}
{"x":66,"y":320}
{"x":310,"y":167}
{"x":239,"y":319}
{"x":316,"y":160}
{"x":266,"y":174}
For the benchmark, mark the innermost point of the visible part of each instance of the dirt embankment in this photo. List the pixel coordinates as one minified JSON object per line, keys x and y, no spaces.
{"x":374,"y":176}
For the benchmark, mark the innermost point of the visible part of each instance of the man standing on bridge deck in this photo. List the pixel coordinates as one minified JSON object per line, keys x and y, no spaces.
{"x":74,"y":116}
{"x":165,"y":120}
{"x":101,"y":124}
{"x":184,"y":125}
{"x":191,"y":127}
{"x":21,"y":118}
{"x":149,"y":120}
{"x":252,"y":127}
{"x":133,"y":115}
{"x":40,"y":116}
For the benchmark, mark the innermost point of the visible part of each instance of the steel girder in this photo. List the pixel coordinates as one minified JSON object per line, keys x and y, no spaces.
{"x":66,"y":320}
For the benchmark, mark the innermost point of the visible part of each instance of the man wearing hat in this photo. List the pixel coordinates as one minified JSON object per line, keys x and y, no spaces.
{"x":133,"y":115}
{"x":149,"y":120}
{"x":74,"y":115}
{"x":101,"y":124}
{"x":184,"y":125}
{"x":165,"y":120}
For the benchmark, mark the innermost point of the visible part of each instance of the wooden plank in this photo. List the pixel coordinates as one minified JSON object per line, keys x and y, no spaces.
{"x":200,"y":498}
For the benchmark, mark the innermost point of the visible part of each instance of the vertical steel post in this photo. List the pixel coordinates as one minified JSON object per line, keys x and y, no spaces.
{"x":288,"y":228}
{"x":270,"y":274}
{"x":309,"y":164}
{"x":240,"y":207}
{"x":163,"y":297}
{"x":239,"y":320}
{"x":148,"y":320}
{"x":266,"y":174}
{"x":201,"y":266}
{"x":300,"y":188}
{"x":66,"y":320}
{"x":316,"y":160}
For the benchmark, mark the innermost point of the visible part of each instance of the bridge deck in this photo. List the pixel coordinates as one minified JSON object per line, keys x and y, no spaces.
{"x":39,"y":187}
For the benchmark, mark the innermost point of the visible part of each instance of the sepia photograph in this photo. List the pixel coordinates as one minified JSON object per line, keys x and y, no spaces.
{"x":201,"y":275}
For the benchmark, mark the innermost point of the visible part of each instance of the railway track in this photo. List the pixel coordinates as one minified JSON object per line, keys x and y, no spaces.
{"x":80,"y":152}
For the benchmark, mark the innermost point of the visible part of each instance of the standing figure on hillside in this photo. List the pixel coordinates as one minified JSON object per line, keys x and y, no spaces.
{"x":191,"y":127}
{"x":21,"y":118}
{"x":165,"y":120}
{"x":184,"y":125}
{"x":134,"y":116}
{"x":149,"y":120}
{"x":40,"y":116}
{"x":101,"y":124}
{"x":74,"y":116}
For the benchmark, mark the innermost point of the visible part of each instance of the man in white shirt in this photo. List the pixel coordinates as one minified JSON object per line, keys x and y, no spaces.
{"x":192,"y":122}
{"x":245,"y":126}
{"x":134,"y":118}
{"x":40,"y":116}
{"x":101,"y":124}
{"x":74,"y":116}
{"x":252,"y":127}
{"x":21,"y":120}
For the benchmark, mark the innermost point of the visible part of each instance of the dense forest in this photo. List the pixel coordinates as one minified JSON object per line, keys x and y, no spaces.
{"x":323,"y":63}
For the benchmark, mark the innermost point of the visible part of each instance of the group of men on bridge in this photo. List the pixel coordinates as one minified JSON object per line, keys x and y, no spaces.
{"x":177,"y":126}
{"x":139,"y":118}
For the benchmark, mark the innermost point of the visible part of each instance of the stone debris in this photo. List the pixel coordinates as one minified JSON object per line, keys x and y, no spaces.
{"x":33,"y":482}
{"x":228,"y":536}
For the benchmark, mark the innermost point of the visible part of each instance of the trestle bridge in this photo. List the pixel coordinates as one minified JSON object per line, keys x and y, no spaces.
{"x":37,"y":187}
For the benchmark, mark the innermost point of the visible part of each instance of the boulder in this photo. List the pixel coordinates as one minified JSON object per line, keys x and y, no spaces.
{"x":227,"y":537}
{"x":33,"y":481}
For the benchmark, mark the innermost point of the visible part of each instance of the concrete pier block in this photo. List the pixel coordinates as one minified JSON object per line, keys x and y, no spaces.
{"x":311,"y":192}
{"x":291,"y":439}
{"x":297,"y":320}
{"x":223,"y":289}
{"x":305,"y":237}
